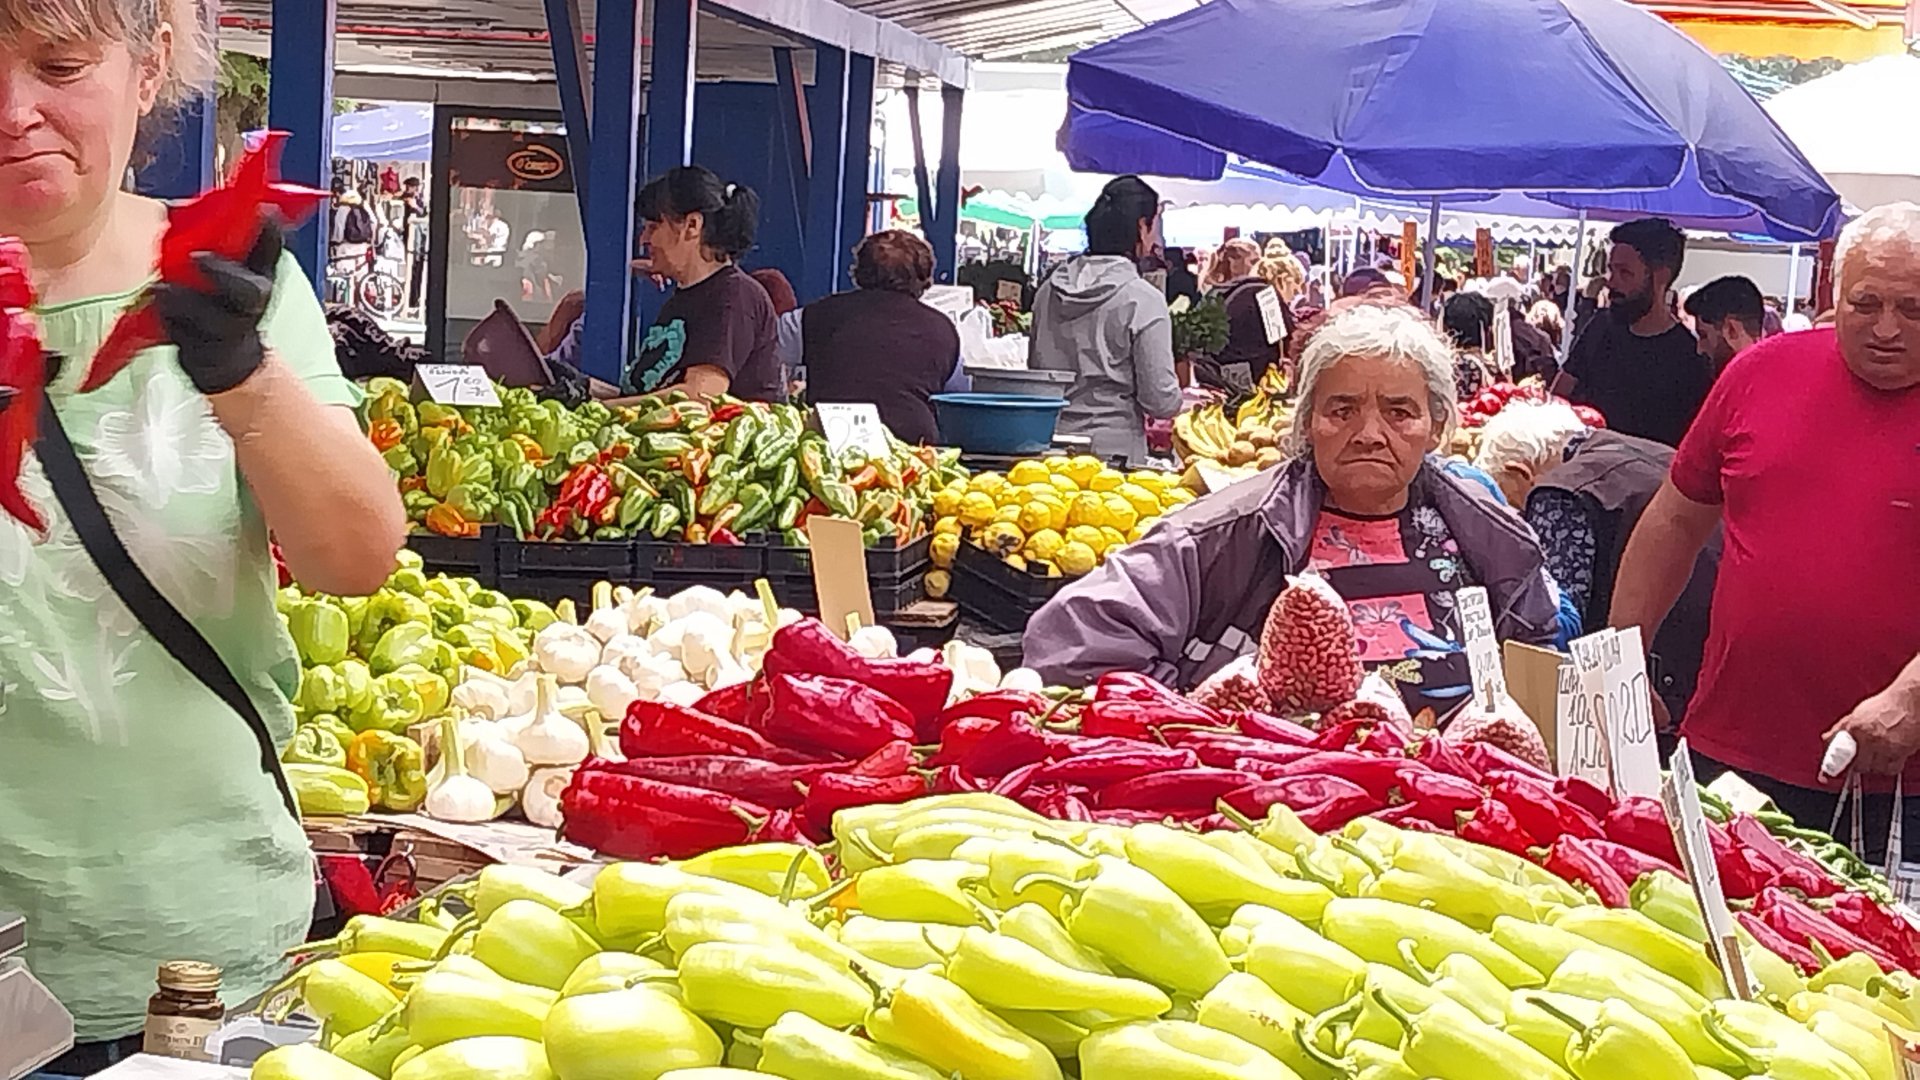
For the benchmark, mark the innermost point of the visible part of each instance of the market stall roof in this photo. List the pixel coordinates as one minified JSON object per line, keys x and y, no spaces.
{"x":402,"y":131}
{"x":1848,"y":30}
{"x":1853,"y":133}
{"x":1641,"y":120}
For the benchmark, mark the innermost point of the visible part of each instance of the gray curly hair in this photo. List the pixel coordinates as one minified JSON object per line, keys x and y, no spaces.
{"x":1393,"y":331}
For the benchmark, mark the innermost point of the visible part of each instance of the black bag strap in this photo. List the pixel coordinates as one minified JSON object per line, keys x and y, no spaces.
{"x":172,"y":630}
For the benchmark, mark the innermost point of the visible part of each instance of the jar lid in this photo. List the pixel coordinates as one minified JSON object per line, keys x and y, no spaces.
{"x":189,"y":976}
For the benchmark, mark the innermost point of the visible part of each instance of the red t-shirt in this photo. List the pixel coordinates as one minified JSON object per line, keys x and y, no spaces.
{"x":1817,"y":606}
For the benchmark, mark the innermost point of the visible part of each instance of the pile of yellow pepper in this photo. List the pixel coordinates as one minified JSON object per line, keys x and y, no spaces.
{"x":964,"y":936}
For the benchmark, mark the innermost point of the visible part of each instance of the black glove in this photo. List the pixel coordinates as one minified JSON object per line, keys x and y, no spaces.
{"x":218,"y":331}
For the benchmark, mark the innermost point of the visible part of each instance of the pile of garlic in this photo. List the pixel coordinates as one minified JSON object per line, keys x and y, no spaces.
{"x":523,"y":733}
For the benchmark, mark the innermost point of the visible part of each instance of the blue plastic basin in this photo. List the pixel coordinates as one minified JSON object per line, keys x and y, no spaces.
{"x":997,"y":423}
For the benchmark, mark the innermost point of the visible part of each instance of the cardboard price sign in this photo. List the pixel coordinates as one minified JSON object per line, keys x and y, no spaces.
{"x":457,"y":384}
{"x":839,"y":571}
{"x":1681,"y":795}
{"x":1482,"y":646}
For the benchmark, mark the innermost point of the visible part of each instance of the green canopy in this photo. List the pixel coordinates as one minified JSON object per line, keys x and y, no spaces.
{"x":996,"y":208}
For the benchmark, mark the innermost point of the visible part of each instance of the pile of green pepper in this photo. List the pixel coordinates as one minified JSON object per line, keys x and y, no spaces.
{"x":672,"y":469}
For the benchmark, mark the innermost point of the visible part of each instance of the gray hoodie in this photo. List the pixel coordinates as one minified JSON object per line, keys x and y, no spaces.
{"x":1096,"y":317}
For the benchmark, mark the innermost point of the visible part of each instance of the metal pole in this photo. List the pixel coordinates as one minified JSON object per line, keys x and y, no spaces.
{"x":1573,"y":288}
{"x":1426,"y":275}
{"x":1793,"y":277}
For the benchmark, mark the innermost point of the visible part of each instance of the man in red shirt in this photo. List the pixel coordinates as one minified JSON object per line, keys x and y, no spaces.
{"x":1808,"y":450}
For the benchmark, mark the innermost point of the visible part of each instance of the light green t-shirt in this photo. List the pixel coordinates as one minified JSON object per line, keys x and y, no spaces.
{"x":136,"y":826}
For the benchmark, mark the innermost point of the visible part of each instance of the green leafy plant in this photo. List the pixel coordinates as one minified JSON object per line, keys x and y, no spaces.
{"x":1198,"y":328}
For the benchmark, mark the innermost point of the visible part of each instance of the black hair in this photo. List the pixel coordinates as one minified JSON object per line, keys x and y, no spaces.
{"x":1468,"y":320}
{"x":1731,"y":297}
{"x":1657,"y":241}
{"x":1113,"y":223}
{"x":730,"y":213}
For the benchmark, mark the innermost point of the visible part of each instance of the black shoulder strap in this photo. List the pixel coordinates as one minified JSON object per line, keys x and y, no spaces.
{"x":176,"y":635}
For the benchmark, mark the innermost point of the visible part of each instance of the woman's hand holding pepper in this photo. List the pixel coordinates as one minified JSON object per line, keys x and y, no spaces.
{"x":217,"y":330}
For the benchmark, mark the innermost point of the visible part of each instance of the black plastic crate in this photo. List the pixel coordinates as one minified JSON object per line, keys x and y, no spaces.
{"x":461,"y":556}
{"x":551,"y":589}
{"x":997,"y":594}
{"x":719,"y":560}
{"x":666,"y":582}
{"x":1017,"y":583}
{"x":797,"y":591}
{"x":883,"y":564}
{"x":593,"y":559}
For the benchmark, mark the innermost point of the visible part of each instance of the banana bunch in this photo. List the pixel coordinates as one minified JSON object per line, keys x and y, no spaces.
{"x":1250,"y":438}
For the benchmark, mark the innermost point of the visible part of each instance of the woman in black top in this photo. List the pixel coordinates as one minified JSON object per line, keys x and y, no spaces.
{"x":880,"y":343}
{"x":715,"y":334}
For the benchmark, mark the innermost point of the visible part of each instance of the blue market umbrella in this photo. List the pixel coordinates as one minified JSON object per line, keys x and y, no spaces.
{"x":1586,"y":104}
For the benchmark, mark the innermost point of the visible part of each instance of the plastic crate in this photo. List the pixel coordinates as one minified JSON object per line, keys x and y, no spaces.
{"x":593,"y":559}
{"x":461,"y":556}
{"x":998,"y":594}
{"x":719,"y":560}
{"x":551,"y":588}
{"x":797,"y":591}
{"x":883,"y":564}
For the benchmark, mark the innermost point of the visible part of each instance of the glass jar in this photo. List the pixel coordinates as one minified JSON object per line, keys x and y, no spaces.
{"x":185,"y":1011}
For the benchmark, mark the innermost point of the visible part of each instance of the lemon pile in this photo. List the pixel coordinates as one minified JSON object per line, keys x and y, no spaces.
{"x":1055,"y":516}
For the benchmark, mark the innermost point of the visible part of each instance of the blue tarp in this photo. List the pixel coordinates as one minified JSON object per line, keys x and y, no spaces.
{"x":1589,"y":104}
{"x":402,"y":132}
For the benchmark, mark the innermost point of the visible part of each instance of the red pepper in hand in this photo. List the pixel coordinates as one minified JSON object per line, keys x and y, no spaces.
{"x":1435,"y":797}
{"x":630,"y":817}
{"x":834,"y":792}
{"x":809,"y":648}
{"x":1584,"y":794}
{"x":1571,"y":858}
{"x":747,"y":778}
{"x":1492,"y":824}
{"x":1631,"y":863}
{"x":840,"y":716}
{"x":663,"y":729}
{"x":1101,"y":770}
{"x":1873,"y":923}
{"x":23,"y":381}
{"x":1777,"y":943}
{"x":1324,"y":803}
{"x":1810,"y":877}
{"x":1442,"y":756}
{"x":1539,"y":811}
{"x":1196,"y":788}
{"x":1800,"y":923}
{"x":1273,"y":728}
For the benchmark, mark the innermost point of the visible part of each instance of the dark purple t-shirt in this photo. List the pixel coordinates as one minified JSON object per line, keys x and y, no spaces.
{"x":727,"y":322}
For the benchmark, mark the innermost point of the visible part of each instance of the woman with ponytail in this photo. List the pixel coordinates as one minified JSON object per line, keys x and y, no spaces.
{"x":715,"y":334}
{"x":142,"y":813}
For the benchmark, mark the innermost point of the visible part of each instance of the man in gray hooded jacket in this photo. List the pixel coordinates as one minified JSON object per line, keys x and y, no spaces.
{"x":1098,"y":318}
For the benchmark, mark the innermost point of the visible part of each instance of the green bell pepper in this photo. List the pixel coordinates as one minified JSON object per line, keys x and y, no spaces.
{"x":321,"y":691}
{"x":433,"y":690}
{"x":534,"y":616}
{"x":740,"y":435}
{"x":315,"y":745}
{"x":401,"y":460}
{"x":320,"y":632}
{"x":443,"y":471}
{"x":395,"y":706}
{"x":391,"y":765}
{"x":718,"y":494}
{"x":400,"y":645}
{"x":756,"y":509}
{"x":356,"y":685}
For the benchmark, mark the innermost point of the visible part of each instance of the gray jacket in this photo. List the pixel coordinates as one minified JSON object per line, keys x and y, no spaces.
{"x":1192,"y":594}
{"x":1096,"y":317}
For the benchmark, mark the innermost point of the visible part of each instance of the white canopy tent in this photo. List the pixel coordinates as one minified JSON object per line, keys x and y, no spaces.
{"x":1859,"y":126}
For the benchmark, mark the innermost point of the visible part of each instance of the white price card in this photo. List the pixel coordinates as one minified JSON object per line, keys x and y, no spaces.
{"x":1579,"y":748}
{"x":1483,"y":648}
{"x":1680,"y":794}
{"x":1589,"y":657}
{"x":457,"y":384}
{"x":1630,"y":741}
{"x":1905,"y":1055}
{"x":1271,"y":318}
{"x":852,"y":425}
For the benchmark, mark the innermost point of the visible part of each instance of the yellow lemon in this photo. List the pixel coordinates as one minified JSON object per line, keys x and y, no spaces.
{"x":1002,"y":538}
{"x":1114,"y":537}
{"x":1042,"y":546}
{"x":1082,"y":469}
{"x":1009,"y":513}
{"x":1087,"y":509}
{"x":945,"y":545}
{"x":1145,"y":503}
{"x":1139,"y":530}
{"x":988,"y":482}
{"x":1089,"y":535}
{"x":948,"y":526}
{"x":977,"y":509}
{"x":937,"y":584}
{"x":946,"y":501}
{"x":1034,"y":516}
{"x":1151,"y":479}
{"x":1106,"y":480}
{"x":1064,"y":484}
{"x":1120,"y":513}
{"x":1017,"y":562}
{"x":1177,"y":496}
{"x":1075,"y":559}
{"x":1043,"y":568}
{"x":1027,"y":472}
{"x":1056,"y":513}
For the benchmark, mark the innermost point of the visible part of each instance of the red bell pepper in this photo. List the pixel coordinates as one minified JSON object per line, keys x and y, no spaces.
{"x":1865,"y":917}
{"x":1810,"y":876}
{"x":1197,"y":788}
{"x":1640,"y":823}
{"x":993,"y":705}
{"x":1323,"y":802}
{"x":1273,"y":728}
{"x":1798,"y":922}
{"x":631,"y":817}
{"x":1492,"y":824}
{"x":808,"y":648}
{"x":1101,"y":770}
{"x":1585,"y":794}
{"x":662,"y":729}
{"x":1221,"y":748}
{"x":839,"y":716}
{"x":1777,"y":943}
{"x":1434,"y":797}
{"x":834,"y":792}
{"x":1539,"y":811}
{"x":1631,"y":863}
{"x":1571,"y":858}
{"x":1487,"y":757}
{"x":1442,"y":756}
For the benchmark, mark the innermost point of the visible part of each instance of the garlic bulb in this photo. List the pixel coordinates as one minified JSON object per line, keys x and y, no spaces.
{"x":545,"y":736}
{"x":682,"y":693}
{"x":483,"y":694}
{"x":606,"y":621}
{"x":565,"y":650}
{"x":646,"y":612}
{"x":874,"y":642}
{"x":610,"y":691}
{"x":1022,"y":678}
{"x":492,"y":759}
{"x":540,"y":799}
{"x":457,"y":796}
{"x":703,"y":640}
{"x":623,"y":645}
{"x":521,"y":695}
{"x":651,"y":672}
{"x":699,"y":598}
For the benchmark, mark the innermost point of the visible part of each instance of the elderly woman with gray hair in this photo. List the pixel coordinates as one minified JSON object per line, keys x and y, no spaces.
{"x":1363,"y":502}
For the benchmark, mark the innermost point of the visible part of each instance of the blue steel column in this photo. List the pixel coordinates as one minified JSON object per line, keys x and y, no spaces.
{"x":576,"y":102}
{"x":947,"y":184}
{"x":857,"y":169}
{"x":300,"y":101}
{"x":827,"y":179}
{"x":182,"y":162}
{"x":670,"y":83}
{"x":922,"y":186}
{"x":789,"y":200}
{"x":610,"y":174}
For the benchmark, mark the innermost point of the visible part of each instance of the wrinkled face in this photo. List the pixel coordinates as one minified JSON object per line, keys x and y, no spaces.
{"x":1630,"y":281}
{"x":1370,"y":428}
{"x":1879,"y":316}
{"x":674,"y":243}
{"x":68,"y":114}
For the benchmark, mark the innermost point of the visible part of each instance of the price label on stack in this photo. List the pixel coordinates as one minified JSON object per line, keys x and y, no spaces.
{"x":457,"y":384}
{"x":1482,"y":646}
{"x":1680,"y":793}
{"x":849,"y":426}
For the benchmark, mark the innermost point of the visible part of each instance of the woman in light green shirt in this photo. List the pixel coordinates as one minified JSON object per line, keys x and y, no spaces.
{"x":137,"y":824}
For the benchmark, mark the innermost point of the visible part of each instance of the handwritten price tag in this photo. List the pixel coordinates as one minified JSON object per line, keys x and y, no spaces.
{"x":852,"y":425}
{"x":457,"y":384}
{"x":1483,"y":648}
{"x":1681,"y":796}
{"x":1589,"y":658}
{"x":1580,"y":749}
{"x":1636,"y":757}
